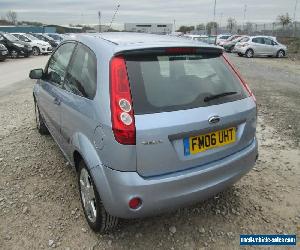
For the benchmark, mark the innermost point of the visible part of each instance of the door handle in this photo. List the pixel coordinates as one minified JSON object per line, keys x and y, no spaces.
{"x":56,"y":101}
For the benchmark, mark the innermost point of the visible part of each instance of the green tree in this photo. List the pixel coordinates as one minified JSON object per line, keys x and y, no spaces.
{"x":284,"y":19}
{"x":185,"y":29}
{"x":200,"y":26}
{"x":211,"y":27}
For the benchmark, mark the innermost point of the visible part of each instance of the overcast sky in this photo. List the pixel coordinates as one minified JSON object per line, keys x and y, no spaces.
{"x":183,"y":11}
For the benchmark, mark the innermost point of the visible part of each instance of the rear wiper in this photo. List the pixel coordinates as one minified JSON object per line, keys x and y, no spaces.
{"x":212,"y":97}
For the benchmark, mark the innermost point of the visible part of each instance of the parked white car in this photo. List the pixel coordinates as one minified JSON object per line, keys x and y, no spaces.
{"x":195,"y":37}
{"x":222,"y":38}
{"x":38,"y":46}
{"x":260,"y":46}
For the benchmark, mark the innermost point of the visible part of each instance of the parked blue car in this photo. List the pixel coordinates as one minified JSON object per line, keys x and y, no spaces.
{"x":151,"y":123}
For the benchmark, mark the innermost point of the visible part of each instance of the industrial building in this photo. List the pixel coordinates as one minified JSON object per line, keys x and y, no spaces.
{"x":40,"y":29}
{"x":155,"y":28}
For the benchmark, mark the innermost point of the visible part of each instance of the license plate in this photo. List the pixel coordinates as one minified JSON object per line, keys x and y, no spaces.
{"x":200,"y":143}
{"x":4,"y":52}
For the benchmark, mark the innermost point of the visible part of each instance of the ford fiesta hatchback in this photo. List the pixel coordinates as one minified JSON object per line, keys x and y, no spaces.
{"x":151,"y":123}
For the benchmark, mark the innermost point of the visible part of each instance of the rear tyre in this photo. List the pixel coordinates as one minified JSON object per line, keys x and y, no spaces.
{"x":40,"y":124}
{"x":280,"y":54}
{"x":97,"y":217}
{"x":35,"y":51}
{"x":14,"y":54}
{"x":249,"y":53}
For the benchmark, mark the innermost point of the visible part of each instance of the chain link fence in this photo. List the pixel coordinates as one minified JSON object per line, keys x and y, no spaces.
{"x":270,"y":29}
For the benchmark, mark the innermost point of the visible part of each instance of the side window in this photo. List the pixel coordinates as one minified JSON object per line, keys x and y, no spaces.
{"x":58,"y":63}
{"x":258,"y":40}
{"x":23,"y":38}
{"x":268,"y":41}
{"x":81,"y":78}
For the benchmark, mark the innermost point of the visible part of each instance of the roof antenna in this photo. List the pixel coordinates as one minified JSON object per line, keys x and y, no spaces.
{"x":114,"y":16}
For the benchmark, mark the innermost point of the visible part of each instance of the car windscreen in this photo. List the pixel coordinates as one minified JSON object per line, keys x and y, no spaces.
{"x":31,"y":37}
{"x":175,"y":82}
{"x":245,"y":39}
{"x":11,"y":37}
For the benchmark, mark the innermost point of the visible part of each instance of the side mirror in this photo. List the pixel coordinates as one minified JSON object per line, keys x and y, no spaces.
{"x":36,"y":73}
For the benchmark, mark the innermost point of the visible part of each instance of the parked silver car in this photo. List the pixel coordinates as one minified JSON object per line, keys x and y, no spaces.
{"x":260,"y":46}
{"x":151,"y":123}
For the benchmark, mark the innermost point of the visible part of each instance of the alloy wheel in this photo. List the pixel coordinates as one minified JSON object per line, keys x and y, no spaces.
{"x":35,"y":51}
{"x":88,"y":195}
{"x":280,"y":53}
{"x":14,"y":54}
{"x":249,"y":53}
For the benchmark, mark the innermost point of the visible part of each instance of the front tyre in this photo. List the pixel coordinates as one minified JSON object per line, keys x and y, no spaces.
{"x":96,"y":215}
{"x":249,"y":53}
{"x":280,"y":54}
{"x":35,"y":51}
{"x":14,"y":54}
{"x":41,"y":127}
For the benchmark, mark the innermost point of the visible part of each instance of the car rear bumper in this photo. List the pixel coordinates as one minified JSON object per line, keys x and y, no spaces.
{"x":163,"y":193}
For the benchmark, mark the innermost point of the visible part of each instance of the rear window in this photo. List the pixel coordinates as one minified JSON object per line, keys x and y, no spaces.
{"x":177,"y":82}
{"x":224,"y":37}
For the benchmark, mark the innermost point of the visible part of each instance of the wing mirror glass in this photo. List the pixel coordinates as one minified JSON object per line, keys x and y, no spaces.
{"x":36,"y":74}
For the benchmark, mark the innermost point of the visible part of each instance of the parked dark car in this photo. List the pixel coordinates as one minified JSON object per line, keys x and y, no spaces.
{"x":45,"y":38}
{"x":3,"y":52}
{"x":15,"y":47}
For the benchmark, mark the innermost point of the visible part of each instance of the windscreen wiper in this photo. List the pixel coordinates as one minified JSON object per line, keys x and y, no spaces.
{"x":212,"y":97}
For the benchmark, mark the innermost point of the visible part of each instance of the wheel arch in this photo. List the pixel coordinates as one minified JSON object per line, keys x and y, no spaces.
{"x":83,"y":149}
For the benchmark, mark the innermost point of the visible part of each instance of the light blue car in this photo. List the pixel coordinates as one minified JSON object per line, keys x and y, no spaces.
{"x":151,"y":123}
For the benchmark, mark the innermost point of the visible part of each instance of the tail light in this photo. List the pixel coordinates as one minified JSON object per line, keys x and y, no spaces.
{"x":122,"y":115}
{"x":245,"y":85}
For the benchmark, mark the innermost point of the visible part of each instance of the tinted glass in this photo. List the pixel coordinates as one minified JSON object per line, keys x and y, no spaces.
{"x":58,"y":63}
{"x":258,"y":40}
{"x":224,"y":37}
{"x":81,"y":78}
{"x":31,"y":37}
{"x":169,"y":83}
{"x":268,"y":41}
{"x":10,"y":37}
{"x":23,"y":38}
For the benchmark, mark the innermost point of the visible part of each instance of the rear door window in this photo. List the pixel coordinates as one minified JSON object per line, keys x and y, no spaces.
{"x":259,"y":40}
{"x":268,"y":41}
{"x":176,"y":82}
{"x":81,"y":78}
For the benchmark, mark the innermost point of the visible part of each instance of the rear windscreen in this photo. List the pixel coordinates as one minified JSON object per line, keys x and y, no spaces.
{"x":176,"y":82}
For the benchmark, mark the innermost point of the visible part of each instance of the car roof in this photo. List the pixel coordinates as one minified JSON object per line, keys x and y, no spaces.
{"x":121,"y":41}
